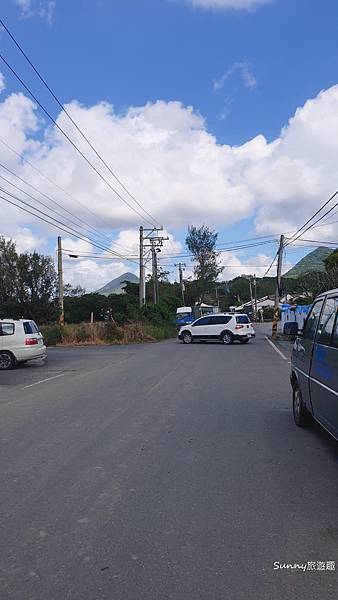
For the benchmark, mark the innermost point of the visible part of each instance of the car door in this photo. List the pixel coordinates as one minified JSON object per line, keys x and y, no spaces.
{"x":303,"y":349}
{"x":200,"y":328}
{"x":217,"y":325}
{"x":7,"y":338}
{"x":324,"y":368}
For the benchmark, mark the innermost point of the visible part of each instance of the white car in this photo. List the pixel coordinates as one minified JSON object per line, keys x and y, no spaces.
{"x":20,"y":341}
{"x":225,"y":327}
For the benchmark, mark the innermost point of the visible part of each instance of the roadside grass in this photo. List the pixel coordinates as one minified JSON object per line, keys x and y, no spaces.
{"x":105,"y":333}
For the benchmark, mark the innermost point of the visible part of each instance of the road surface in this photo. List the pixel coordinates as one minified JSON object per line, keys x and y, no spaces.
{"x":163,"y":471}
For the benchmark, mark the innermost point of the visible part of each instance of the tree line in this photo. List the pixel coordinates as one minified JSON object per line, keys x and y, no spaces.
{"x":28,"y":287}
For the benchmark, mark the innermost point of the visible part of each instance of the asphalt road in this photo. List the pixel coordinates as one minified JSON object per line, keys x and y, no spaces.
{"x":162,"y":471}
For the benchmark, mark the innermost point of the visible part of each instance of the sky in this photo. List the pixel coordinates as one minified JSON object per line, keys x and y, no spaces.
{"x":216,"y":112}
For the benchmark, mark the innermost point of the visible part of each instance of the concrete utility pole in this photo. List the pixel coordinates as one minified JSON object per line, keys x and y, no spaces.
{"x":251,"y":297}
{"x":181,"y":268}
{"x":60,"y":279}
{"x":255,"y":294}
{"x":142,"y":284}
{"x":278,"y":287}
{"x":154,"y":251}
{"x":149,"y":246}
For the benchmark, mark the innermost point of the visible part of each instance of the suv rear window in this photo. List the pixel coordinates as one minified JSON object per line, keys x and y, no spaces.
{"x":6,"y":328}
{"x":30,"y":327}
{"x":242,"y":319}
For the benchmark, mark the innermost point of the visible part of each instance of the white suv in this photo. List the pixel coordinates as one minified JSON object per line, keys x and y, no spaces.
{"x":225,"y":327}
{"x":20,"y":341}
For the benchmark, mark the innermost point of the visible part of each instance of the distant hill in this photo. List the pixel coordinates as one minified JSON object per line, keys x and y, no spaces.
{"x":115,"y":286}
{"x":314,"y":261}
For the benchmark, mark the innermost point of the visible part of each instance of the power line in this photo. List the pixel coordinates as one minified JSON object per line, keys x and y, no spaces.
{"x":25,"y":160}
{"x":302,"y":229}
{"x":318,"y":242}
{"x":71,"y":141}
{"x":56,"y":203}
{"x":42,"y":203}
{"x":74,"y":122}
{"x":60,"y":225}
{"x":273,"y":260}
{"x":232,"y":249}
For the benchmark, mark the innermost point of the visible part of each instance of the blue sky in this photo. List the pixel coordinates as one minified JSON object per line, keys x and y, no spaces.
{"x":272,"y":59}
{"x":130,"y":52}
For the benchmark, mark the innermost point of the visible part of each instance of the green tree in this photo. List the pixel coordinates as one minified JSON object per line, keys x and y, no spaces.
{"x":28,"y":284}
{"x":201,"y":242}
{"x":73,"y":291}
{"x":331,"y":263}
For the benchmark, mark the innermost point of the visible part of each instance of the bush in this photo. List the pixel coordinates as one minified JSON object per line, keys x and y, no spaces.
{"x":52,"y":334}
{"x":81,"y":334}
{"x":268,"y":312}
{"x":112,"y":332}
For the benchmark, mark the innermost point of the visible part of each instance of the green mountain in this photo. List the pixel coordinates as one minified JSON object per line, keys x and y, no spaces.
{"x":314,"y":261}
{"x":115,"y":286}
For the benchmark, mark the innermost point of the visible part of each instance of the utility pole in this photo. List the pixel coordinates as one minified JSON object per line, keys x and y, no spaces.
{"x":142,"y":284}
{"x":149,"y":246}
{"x":251,"y":297}
{"x":278,"y":287}
{"x":60,"y":279}
{"x":154,"y":270}
{"x":255,"y":294}
{"x":156,"y":278}
{"x":181,"y":268}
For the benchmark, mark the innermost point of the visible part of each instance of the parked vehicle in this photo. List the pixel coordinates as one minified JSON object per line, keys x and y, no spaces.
{"x":20,"y":341}
{"x":185,"y":315}
{"x":314,"y":365}
{"x":225,"y":327}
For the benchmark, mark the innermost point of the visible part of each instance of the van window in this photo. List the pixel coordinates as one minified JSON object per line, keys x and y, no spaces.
{"x":219,"y":320}
{"x":6,"y":328}
{"x":327,"y":321}
{"x":202,"y":321}
{"x":335,"y":334}
{"x":311,"y":322}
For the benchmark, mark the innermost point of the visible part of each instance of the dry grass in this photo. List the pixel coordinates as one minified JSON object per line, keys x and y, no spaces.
{"x":100,"y":333}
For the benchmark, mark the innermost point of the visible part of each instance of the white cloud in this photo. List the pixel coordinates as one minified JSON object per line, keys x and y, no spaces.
{"x":230,"y":4}
{"x":37,"y":8}
{"x":165,"y":155}
{"x":2,"y":82}
{"x":241,"y":67}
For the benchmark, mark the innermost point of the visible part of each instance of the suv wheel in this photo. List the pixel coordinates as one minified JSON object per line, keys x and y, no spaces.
{"x":227,"y":337}
{"x":7,"y":360}
{"x":187,"y":337}
{"x":300,"y":413}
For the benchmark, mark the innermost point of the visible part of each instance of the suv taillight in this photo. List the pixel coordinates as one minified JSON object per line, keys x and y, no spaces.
{"x":31,"y":342}
{"x":239,"y":327}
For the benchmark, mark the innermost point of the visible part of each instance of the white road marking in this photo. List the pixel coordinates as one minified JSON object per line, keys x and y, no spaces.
{"x":275,"y":348}
{"x":43,"y":381}
{"x":162,"y":380}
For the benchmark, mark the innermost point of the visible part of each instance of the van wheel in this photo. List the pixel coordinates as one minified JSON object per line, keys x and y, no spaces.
{"x":227,"y":338}
{"x":300,"y":413}
{"x":187,"y":337}
{"x":7,"y":360}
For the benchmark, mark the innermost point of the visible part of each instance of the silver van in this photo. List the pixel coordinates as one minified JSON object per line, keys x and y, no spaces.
{"x":314,"y":365}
